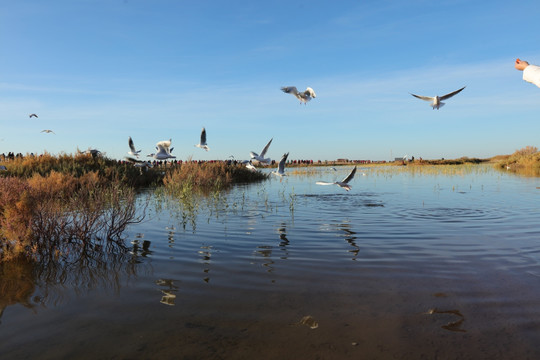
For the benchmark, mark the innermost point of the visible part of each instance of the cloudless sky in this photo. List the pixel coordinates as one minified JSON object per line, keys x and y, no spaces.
{"x":99,"y":71}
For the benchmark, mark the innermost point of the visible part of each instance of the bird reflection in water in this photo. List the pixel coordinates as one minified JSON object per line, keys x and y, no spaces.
{"x":140,"y":249}
{"x":266,"y":252}
{"x":171,"y":230}
{"x":350,"y":237}
{"x":206,"y":256}
{"x":282,"y":231}
{"x":168,"y":291}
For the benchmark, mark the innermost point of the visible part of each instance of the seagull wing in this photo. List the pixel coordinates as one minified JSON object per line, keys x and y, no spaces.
{"x":203,"y":136}
{"x":281,"y":168}
{"x":350,"y":176}
{"x":131,"y":145}
{"x":290,"y":90}
{"x":448,"y":96}
{"x":263,"y":152}
{"x":426,"y":98}
{"x":324,"y":183}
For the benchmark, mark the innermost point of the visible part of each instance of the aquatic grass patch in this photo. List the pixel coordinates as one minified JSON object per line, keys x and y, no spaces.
{"x":60,"y":217}
{"x":524,"y":161}
{"x":207,"y":177}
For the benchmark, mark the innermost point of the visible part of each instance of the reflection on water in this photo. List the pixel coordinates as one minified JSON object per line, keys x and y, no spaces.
{"x":34,"y":285}
{"x":313,"y":268}
{"x":168,"y":290}
{"x":350,"y":237}
{"x":17,"y":285}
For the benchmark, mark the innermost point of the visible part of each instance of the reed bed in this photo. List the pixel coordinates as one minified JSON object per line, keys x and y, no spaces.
{"x":208,"y":177}
{"x":60,"y":217}
{"x":78,"y":165}
{"x":525,"y":161}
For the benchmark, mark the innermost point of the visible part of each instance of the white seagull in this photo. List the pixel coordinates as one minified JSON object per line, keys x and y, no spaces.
{"x":48,"y":131}
{"x":32,"y":115}
{"x":138,"y":163}
{"x":343,"y":183}
{"x":281,"y":167}
{"x":304,"y":97}
{"x":261,"y":158}
{"x":163,"y":151}
{"x":202,"y":143}
{"x":132,"y":151}
{"x":249,"y":165}
{"x":436,"y":101}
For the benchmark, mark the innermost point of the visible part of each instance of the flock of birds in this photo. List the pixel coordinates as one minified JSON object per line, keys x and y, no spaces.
{"x":164,"y":149}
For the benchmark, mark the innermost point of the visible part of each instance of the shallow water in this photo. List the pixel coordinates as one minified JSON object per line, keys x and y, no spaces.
{"x":411,"y":263}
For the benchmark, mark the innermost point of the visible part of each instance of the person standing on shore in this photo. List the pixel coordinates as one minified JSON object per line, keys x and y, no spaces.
{"x":531,"y":73}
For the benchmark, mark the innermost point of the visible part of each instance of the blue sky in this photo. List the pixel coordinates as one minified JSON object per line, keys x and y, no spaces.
{"x":97,"y":72}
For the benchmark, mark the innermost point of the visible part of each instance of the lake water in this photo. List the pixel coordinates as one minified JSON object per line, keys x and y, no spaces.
{"x":429,"y":263}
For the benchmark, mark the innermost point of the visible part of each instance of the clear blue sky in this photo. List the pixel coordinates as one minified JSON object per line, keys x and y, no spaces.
{"x":99,"y":71}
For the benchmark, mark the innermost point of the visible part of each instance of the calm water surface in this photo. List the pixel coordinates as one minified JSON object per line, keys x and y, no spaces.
{"x":433,"y":263}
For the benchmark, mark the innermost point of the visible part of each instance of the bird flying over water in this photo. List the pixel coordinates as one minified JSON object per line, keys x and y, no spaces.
{"x":132,"y":150}
{"x":163,"y":151}
{"x":304,"y":96}
{"x":249,"y":165}
{"x":48,"y":131}
{"x":202,"y":143}
{"x":32,"y":115}
{"x":436,"y":101}
{"x":261,"y":158}
{"x":343,"y":183}
{"x":281,"y":167}
{"x":138,"y":163}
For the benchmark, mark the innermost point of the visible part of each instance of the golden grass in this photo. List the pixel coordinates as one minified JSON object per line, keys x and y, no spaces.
{"x":524,"y":161}
{"x":206,"y":177}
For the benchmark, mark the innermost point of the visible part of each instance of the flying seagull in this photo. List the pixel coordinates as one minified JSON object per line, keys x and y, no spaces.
{"x":132,"y":150}
{"x":261,"y":158}
{"x":304,"y":97}
{"x":138,"y":163}
{"x":93,"y":152}
{"x":249,"y":165}
{"x":202,"y":143}
{"x":281,"y":167}
{"x":48,"y":131}
{"x":343,"y":183}
{"x":32,"y":115}
{"x":163,"y":151}
{"x":436,"y":102}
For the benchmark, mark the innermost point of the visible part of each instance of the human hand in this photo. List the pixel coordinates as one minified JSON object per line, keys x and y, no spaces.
{"x":521,"y":64}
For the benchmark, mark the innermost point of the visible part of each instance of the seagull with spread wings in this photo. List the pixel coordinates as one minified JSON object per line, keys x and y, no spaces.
{"x":436,"y":101}
{"x":303,"y":96}
{"x":32,"y":115}
{"x":343,"y":183}
{"x":48,"y":131}
{"x":261,"y":158}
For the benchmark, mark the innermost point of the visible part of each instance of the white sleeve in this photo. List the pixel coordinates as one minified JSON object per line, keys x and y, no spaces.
{"x":532,"y":74}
